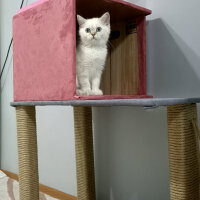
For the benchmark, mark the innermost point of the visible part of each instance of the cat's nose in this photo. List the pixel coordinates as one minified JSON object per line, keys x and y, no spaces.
{"x":93,"y":34}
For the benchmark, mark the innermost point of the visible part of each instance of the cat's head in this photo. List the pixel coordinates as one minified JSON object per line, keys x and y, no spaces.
{"x":94,"y":31}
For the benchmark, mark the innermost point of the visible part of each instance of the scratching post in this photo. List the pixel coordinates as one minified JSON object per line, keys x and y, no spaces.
{"x":183,"y":152}
{"x":27,"y":153}
{"x":84,"y":153}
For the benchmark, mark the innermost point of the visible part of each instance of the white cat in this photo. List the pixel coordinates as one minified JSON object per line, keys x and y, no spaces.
{"x":91,"y":53}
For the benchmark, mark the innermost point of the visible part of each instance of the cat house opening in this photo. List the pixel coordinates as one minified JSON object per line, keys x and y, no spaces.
{"x":125,"y":69}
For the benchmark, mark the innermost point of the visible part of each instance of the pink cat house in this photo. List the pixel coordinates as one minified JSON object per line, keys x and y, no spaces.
{"x":44,"y":46}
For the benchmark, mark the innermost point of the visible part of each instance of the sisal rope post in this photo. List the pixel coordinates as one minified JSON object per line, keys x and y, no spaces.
{"x":84,"y":153}
{"x":27,"y":153}
{"x":183,"y":152}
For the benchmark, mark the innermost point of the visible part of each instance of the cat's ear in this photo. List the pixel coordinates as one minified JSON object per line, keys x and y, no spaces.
{"x":81,"y":20}
{"x":105,"y":18}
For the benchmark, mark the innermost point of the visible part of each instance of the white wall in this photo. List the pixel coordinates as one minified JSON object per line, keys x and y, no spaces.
{"x":55,"y":124}
{"x":173,"y":48}
{"x":130,"y":143}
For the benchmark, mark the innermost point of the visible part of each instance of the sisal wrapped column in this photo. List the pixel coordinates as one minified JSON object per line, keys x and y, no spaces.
{"x":27,"y":153}
{"x":183,"y":152}
{"x":84,"y":153}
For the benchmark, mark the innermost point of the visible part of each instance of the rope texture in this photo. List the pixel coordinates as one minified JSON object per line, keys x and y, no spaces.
{"x":27,"y":153}
{"x":84,"y":153}
{"x":183,"y":152}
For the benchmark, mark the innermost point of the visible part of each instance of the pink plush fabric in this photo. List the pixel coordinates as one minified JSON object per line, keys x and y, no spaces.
{"x":111,"y":97}
{"x":44,"y":51}
{"x":44,"y":46}
{"x":119,"y":10}
{"x":32,"y":5}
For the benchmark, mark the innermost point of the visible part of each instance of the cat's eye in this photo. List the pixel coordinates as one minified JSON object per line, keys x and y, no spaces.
{"x":87,"y":30}
{"x":99,"y":29}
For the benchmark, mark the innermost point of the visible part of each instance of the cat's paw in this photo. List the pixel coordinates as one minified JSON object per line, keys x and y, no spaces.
{"x":82,"y":92}
{"x":97,"y":92}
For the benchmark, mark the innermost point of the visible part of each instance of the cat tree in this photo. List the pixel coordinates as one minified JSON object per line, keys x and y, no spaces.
{"x":44,"y":36}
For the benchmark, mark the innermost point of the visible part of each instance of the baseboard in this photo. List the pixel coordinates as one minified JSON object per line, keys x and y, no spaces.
{"x":45,"y":189}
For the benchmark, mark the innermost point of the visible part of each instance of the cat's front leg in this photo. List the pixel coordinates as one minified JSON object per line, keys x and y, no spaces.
{"x":84,"y":84}
{"x":96,"y":84}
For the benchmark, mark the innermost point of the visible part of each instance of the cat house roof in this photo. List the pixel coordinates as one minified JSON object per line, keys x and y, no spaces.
{"x":119,"y":9}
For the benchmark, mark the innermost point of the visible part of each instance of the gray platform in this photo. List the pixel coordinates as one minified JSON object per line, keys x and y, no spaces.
{"x":152,"y":102}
